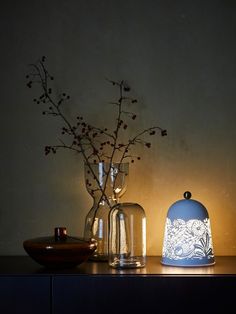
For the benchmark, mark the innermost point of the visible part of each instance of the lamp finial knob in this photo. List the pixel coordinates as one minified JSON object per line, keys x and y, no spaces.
{"x":187,"y":195}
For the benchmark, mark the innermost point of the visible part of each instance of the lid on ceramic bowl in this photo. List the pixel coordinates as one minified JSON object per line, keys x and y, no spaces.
{"x":187,"y":237}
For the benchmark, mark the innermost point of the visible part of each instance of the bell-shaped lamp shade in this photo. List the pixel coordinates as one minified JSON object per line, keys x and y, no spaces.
{"x":187,"y":238}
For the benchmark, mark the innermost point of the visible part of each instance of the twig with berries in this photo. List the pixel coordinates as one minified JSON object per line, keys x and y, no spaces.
{"x":96,"y":144}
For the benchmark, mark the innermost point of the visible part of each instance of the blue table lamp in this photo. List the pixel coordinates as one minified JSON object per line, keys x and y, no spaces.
{"x":187,"y":238}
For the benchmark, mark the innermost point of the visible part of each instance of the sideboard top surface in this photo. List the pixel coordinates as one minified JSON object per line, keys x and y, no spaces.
{"x":24,"y":265}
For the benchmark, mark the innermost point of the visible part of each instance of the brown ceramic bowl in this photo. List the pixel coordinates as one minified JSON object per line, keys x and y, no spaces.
{"x":60,"y":251}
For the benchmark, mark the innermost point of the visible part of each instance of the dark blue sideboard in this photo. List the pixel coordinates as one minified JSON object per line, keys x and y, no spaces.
{"x":25,"y":287}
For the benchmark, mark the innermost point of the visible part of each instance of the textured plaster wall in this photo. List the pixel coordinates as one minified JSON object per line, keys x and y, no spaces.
{"x":179,"y":58}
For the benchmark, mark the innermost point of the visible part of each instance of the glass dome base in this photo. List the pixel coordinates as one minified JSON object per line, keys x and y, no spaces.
{"x":132,"y":262}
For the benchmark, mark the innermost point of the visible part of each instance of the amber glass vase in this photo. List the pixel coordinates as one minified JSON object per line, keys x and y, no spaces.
{"x":106,"y":183}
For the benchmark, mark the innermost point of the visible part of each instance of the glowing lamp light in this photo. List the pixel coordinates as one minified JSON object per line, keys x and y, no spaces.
{"x":187,"y":237}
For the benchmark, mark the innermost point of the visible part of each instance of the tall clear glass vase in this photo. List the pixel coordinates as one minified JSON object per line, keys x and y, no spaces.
{"x":106,"y":183}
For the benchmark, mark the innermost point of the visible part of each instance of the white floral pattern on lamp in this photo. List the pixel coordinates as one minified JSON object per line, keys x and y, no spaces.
{"x":187,"y":239}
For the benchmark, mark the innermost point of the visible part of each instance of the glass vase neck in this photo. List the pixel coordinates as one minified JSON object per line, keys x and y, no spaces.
{"x":110,"y":201}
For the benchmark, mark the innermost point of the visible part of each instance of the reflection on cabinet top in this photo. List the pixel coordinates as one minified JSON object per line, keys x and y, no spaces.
{"x":24,"y":265}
